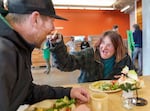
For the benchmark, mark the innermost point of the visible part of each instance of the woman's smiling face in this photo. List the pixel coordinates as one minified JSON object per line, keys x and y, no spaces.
{"x":106,"y":48}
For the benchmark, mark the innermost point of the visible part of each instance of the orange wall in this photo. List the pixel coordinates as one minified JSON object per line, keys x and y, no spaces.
{"x":91,"y":22}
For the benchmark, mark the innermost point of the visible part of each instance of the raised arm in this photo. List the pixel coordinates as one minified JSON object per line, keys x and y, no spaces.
{"x":63,"y":60}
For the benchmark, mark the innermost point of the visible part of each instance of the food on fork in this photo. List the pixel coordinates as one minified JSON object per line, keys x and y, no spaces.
{"x":54,"y":34}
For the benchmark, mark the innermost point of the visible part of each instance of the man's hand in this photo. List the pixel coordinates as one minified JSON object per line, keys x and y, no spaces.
{"x":80,"y":94}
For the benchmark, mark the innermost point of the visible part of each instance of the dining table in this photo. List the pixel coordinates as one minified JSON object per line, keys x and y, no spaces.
{"x":115,"y":98}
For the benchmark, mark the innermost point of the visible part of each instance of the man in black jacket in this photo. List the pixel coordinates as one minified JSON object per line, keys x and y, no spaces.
{"x":23,"y":28}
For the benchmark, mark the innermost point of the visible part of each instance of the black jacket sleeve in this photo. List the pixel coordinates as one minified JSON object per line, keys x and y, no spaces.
{"x":69,"y":62}
{"x":63,"y":60}
{"x":7,"y":77}
{"x":41,"y":92}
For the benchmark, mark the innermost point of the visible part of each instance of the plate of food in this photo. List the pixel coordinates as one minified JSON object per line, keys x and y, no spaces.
{"x":108,"y":86}
{"x":63,"y":104}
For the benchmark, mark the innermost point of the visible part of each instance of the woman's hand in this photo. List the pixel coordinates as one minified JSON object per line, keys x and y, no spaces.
{"x":55,"y":37}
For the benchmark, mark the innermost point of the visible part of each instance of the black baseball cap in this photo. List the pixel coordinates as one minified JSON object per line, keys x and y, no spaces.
{"x":44,"y":7}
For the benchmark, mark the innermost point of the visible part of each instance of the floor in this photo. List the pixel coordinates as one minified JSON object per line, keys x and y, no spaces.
{"x":55,"y":77}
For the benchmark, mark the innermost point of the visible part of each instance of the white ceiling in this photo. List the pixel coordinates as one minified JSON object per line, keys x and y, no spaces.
{"x":94,"y":4}
{"x":120,"y":4}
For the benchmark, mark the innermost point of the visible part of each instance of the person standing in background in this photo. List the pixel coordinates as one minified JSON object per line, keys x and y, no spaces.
{"x":115,"y":28}
{"x":137,"y":53}
{"x":71,"y":44}
{"x":46,"y":55}
{"x":84,"y":44}
{"x":130,"y":43}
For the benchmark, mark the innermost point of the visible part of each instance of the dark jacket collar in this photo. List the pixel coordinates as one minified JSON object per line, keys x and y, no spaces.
{"x":7,"y":32}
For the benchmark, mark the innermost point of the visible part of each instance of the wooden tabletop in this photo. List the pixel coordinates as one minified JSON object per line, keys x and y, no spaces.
{"x":115,"y":102}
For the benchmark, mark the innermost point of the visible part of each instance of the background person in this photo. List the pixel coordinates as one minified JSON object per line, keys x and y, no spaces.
{"x":3,"y":12}
{"x":46,"y":55}
{"x":25,"y":27}
{"x":104,"y":62}
{"x":137,"y":53}
{"x":115,"y":28}
{"x":85,"y":44}
{"x":72,"y":46}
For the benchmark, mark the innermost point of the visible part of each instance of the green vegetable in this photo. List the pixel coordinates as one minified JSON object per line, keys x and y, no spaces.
{"x":63,"y":102}
{"x":132,"y":74}
{"x":50,"y":109}
{"x":115,"y":86}
{"x":127,"y":87}
{"x":108,"y":86}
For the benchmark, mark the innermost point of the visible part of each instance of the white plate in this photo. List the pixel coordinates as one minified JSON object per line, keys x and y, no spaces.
{"x":91,"y":87}
{"x":50,"y":103}
{"x":43,"y":104}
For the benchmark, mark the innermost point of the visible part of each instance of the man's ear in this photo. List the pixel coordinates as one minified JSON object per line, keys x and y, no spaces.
{"x":35,"y":18}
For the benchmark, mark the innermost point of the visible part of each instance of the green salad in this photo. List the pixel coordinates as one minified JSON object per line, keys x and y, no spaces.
{"x":63,"y":104}
{"x":109,"y":86}
{"x":106,"y":85}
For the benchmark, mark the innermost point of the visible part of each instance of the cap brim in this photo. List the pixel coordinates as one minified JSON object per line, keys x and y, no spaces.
{"x":58,"y":17}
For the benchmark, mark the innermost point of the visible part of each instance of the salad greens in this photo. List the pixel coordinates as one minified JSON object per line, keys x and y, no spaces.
{"x":106,"y":86}
{"x":63,"y":104}
{"x":128,"y":87}
{"x":109,"y":86}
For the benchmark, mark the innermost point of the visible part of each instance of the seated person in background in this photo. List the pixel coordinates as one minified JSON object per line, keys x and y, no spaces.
{"x":104,"y":62}
{"x":72,"y":46}
{"x":85,"y":44}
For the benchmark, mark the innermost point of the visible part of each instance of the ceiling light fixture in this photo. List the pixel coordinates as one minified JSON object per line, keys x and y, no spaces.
{"x":107,"y":8}
{"x":83,"y":2}
{"x":125,"y":8}
{"x":85,"y":8}
{"x":75,"y":7}
{"x":60,"y":7}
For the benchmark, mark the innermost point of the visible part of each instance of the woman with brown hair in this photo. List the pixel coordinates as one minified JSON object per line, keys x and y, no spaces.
{"x":105,"y":61}
{"x":112,"y":41}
